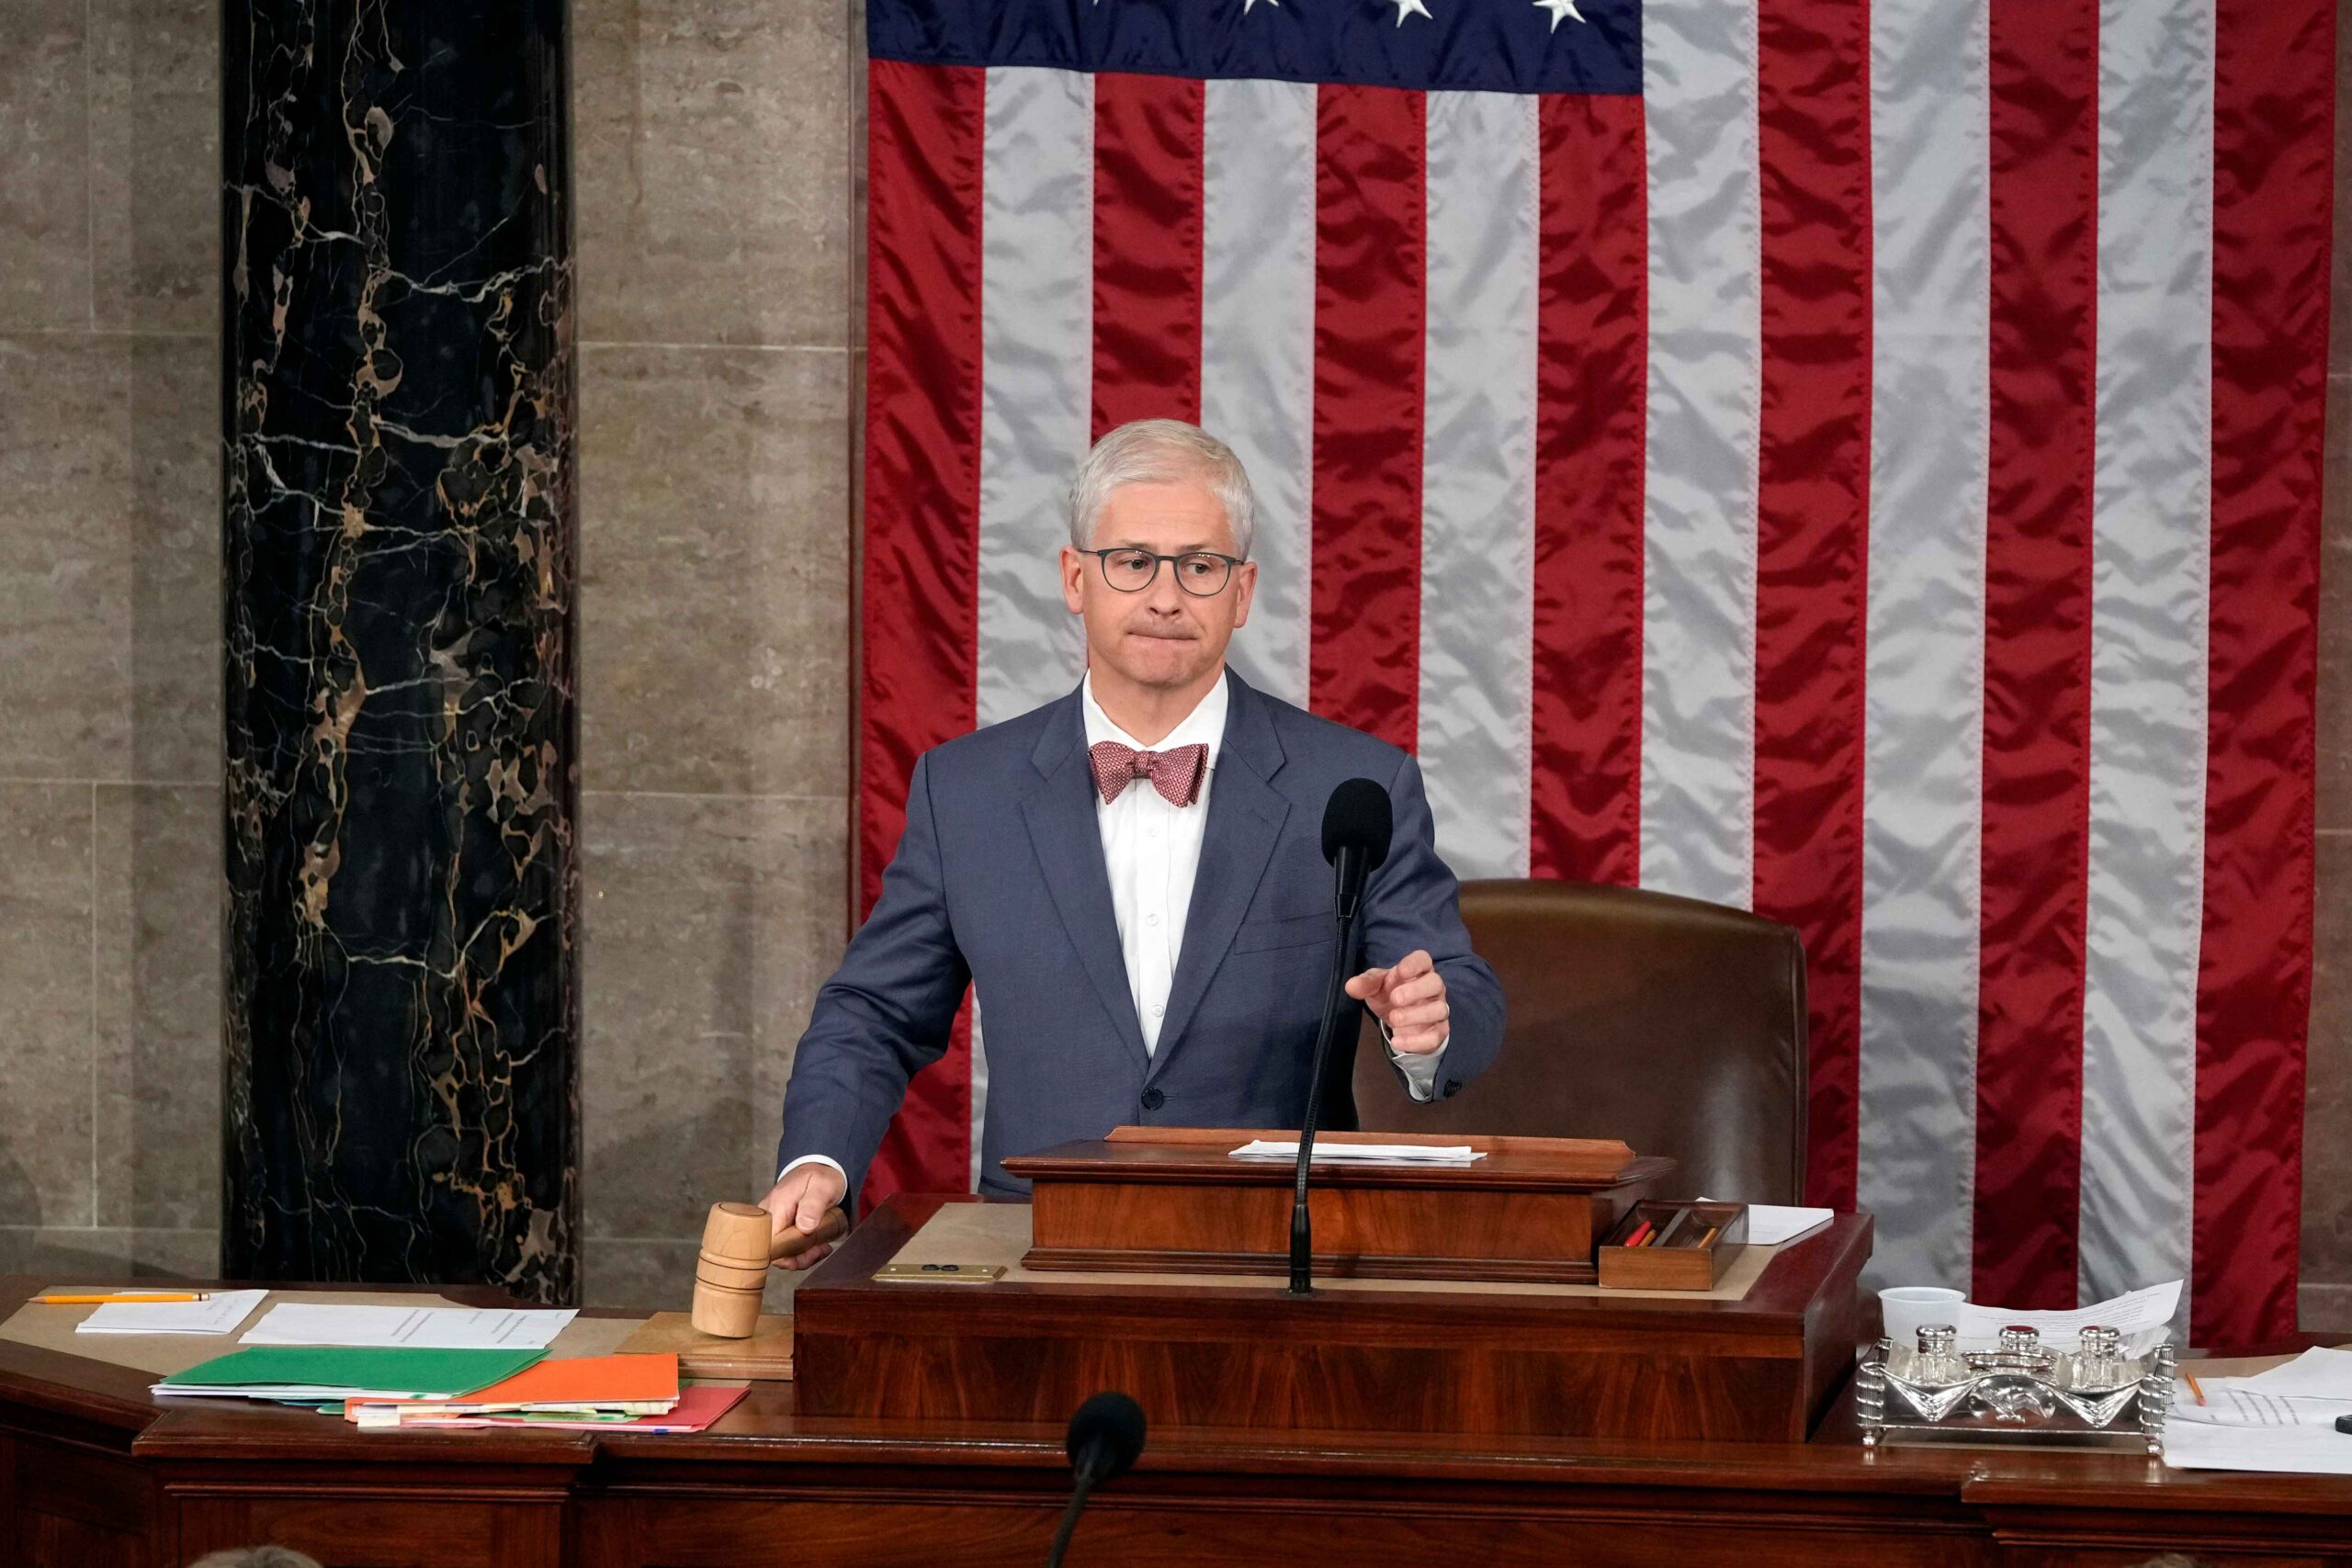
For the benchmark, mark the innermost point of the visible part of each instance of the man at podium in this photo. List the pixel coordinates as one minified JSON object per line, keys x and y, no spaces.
{"x":1130,"y":877}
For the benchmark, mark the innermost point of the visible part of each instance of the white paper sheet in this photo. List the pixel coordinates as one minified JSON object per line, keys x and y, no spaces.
{"x":2311,"y":1450}
{"x":219,"y":1316}
{"x":2315,"y":1374}
{"x":1768,"y":1224}
{"x":300,"y":1391}
{"x":1363,"y":1154}
{"x":423,"y":1329}
{"x":2231,"y":1402}
{"x":2139,"y":1311}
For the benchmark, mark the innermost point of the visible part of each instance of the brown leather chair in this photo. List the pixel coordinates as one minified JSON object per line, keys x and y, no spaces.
{"x":1674,"y":1024}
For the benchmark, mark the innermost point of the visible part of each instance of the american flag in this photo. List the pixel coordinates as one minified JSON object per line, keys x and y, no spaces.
{"x":1856,"y":461}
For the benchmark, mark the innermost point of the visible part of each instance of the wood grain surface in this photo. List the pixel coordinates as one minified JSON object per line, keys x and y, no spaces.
{"x":95,"y":1473}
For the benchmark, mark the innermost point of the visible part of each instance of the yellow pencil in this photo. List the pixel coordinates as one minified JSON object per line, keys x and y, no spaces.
{"x":125,"y":1296}
{"x":2193,"y":1388}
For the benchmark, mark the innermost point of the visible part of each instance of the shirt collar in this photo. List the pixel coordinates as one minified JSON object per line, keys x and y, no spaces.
{"x":1205,"y":724}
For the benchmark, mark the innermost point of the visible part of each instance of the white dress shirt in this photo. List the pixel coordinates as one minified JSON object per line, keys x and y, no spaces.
{"x":1151,"y":851}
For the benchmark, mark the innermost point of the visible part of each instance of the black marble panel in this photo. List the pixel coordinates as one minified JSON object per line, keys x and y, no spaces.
{"x":403,"y":985}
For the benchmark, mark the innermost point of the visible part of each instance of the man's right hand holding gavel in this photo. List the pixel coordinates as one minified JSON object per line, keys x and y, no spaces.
{"x":801,"y":1200}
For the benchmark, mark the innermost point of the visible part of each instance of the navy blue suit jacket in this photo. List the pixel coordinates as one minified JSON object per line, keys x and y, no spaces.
{"x":999,"y":880}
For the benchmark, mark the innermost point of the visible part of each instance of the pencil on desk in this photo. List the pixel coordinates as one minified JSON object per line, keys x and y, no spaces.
{"x":2193,"y":1388}
{"x":101,"y":1298}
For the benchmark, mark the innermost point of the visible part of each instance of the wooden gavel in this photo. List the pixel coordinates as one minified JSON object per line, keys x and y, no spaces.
{"x":737,"y":1251}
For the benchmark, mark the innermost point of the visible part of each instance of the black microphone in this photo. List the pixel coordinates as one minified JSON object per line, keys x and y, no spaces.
{"x":1105,"y":1436}
{"x":1357,"y":826}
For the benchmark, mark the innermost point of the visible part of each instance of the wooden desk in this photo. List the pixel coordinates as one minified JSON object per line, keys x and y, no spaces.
{"x":1409,"y":1357}
{"x":94,"y":1473}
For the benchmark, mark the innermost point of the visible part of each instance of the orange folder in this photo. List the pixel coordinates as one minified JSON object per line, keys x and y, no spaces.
{"x":644,"y":1384}
{"x":585,"y":1379}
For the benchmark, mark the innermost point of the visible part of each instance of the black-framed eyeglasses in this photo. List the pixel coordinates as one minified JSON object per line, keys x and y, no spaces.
{"x":1201,"y":573}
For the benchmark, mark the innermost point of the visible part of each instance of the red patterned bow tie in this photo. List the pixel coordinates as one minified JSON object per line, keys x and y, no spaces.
{"x":1175,"y":774}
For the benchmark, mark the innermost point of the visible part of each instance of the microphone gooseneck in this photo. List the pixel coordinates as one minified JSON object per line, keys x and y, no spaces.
{"x":1358,"y":824}
{"x":1105,"y":1438}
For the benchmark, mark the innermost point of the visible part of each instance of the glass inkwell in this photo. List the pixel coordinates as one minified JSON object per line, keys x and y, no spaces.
{"x":2014,"y":1375}
{"x":1933,"y":1378}
{"x":2097,"y":1381}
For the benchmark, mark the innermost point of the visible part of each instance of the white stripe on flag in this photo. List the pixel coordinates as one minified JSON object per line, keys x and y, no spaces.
{"x":1699,"y":526}
{"x":1037,"y":376}
{"x":1036,"y":395}
{"x":1478,"y":478}
{"x":2151,"y":509}
{"x":1924,"y":731}
{"x":1257,"y":348}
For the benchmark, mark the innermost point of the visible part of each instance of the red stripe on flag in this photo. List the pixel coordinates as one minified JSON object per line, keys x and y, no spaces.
{"x":919,"y":625}
{"x":2037,"y":652}
{"x":2273,"y":137}
{"x":1812,"y":517}
{"x":1591,"y":377}
{"x":1371,"y":217}
{"x":1148,"y":134}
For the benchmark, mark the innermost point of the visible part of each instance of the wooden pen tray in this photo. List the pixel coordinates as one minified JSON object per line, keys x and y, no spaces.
{"x":1681,"y":1255}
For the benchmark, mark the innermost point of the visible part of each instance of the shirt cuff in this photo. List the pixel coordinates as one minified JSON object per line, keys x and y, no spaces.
{"x":1420,"y":1070}
{"x":815,"y":1159}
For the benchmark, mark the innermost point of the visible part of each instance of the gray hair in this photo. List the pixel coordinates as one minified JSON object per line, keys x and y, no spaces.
{"x":1160,"y":451}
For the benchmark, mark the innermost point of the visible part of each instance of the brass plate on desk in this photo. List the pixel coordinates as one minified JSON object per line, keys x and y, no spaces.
{"x":940,"y":1273}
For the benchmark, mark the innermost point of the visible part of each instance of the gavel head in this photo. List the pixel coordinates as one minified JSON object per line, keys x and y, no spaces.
{"x":738,"y":1232}
{"x":732,"y":1272}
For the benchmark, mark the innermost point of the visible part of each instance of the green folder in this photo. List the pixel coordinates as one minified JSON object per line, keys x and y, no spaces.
{"x":327,"y":1371}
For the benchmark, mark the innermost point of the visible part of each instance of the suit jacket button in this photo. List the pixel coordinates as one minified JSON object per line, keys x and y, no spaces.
{"x":1153,"y":1099}
{"x":1453,"y":1086}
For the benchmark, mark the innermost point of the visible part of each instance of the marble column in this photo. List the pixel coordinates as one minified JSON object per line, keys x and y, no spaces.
{"x":403,"y":966}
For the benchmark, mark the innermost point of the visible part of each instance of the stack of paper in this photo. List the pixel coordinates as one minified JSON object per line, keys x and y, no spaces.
{"x":420,"y":1328}
{"x":2315,"y":1374}
{"x":583,"y":1386}
{"x":1363,"y":1154}
{"x":2313,"y":1390}
{"x":2281,"y":1420}
{"x":2310,"y":1450}
{"x":222,"y":1312}
{"x":697,"y":1408}
{"x":309,"y":1375}
{"x":2230,"y":1402}
{"x":591,"y":1393}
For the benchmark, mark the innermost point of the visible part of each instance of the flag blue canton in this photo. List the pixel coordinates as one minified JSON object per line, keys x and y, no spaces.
{"x":1495,"y":45}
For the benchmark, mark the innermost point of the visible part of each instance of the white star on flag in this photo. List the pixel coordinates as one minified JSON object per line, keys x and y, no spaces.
{"x":1246,"y":4}
{"x":1410,"y":8}
{"x":1560,"y":8}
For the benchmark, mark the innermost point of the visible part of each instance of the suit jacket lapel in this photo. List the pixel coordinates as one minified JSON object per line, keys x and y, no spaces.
{"x":1246,"y":815}
{"x":1059,"y":812}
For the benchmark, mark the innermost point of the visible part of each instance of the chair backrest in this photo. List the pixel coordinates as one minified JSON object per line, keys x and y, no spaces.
{"x":1674,"y":1024}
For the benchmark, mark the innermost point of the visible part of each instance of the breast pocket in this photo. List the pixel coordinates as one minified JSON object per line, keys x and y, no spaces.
{"x":1294,"y":930}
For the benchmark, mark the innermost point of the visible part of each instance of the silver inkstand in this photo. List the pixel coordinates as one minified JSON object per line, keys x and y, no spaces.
{"x":2096,"y":1395}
